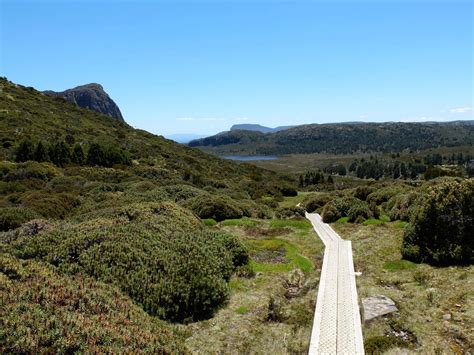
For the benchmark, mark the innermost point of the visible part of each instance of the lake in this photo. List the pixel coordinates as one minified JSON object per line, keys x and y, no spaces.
{"x":249,"y":157}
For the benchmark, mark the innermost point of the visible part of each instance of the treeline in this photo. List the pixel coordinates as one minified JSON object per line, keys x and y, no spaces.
{"x":373,"y":169}
{"x":429,"y":166}
{"x":310,"y":178}
{"x":62,"y":153}
{"x":345,"y":138}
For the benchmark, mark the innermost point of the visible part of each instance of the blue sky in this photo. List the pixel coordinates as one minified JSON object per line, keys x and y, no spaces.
{"x":201,"y":66}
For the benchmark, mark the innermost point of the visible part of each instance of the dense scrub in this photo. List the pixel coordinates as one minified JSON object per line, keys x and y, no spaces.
{"x":45,"y":311}
{"x":441,"y":229}
{"x":157,"y":253}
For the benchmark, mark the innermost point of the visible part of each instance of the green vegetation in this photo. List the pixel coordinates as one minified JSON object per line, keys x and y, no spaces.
{"x":239,"y":222}
{"x":116,"y":240}
{"x":441,"y":227}
{"x":104,"y":222}
{"x":242,"y":310}
{"x":399,"y":265}
{"x":341,"y":139}
{"x":180,"y":275}
{"x":43,"y":309}
{"x":422,"y":293}
{"x":209,"y":222}
{"x":294,"y":223}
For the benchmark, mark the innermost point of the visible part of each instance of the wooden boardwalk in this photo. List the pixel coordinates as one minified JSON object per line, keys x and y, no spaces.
{"x":336,"y":327}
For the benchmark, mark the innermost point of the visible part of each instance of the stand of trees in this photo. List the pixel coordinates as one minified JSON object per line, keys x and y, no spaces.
{"x":62,"y":154}
{"x":313,"y":178}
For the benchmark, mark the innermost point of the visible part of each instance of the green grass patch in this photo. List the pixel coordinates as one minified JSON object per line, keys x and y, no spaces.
{"x":384,"y":218}
{"x":239,"y":222}
{"x":237,"y":284}
{"x":209,"y":222}
{"x":242,"y":310}
{"x":399,"y":265}
{"x":292,"y":259}
{"x":399,"y":224}
{"x":372,"y":221}
{"x":343,"y":220}
{"x":292,"y":223}
{"x":292,"y":201}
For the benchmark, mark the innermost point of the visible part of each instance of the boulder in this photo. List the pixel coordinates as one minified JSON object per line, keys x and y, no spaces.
{"x":377,"y":306}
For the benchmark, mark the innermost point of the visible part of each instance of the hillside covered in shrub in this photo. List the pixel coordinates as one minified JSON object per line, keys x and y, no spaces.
{"x":342,"y":138}
{"x":100,"y":229}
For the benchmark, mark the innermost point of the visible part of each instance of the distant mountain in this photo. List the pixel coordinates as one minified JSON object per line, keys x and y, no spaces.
{"x":184,"y":138}
{"x":91,"y":96}
{"x":258,"y":128}
{"x":341,"y":138}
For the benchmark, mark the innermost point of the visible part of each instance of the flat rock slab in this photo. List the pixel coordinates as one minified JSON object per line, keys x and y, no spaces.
{"x":377,"y":306}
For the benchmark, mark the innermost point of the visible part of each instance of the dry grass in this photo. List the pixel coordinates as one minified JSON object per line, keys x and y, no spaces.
{"x":422,"y":293}
{"x":243,"y":325}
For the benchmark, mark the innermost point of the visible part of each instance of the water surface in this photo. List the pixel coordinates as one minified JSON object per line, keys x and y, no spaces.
{"x":249,"y":157}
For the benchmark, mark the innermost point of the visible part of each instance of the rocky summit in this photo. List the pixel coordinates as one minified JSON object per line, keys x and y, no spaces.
{"x":91,"y":96}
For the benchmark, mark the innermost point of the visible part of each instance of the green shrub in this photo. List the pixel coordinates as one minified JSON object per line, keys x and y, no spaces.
{"x":330,"y":212}
{"x":385,"y":193}
{"x":239,"y":253}
{"x":215,"y":207}
{"x":362,"y":192}
{"x":314,"y":202}
{"x":399,"y":206}
{"x":31,"y":170}
{"x":157,"y":253}
{"x":209,"y":222}
{"x":288,"y":212}
{"x":380,"y":344}
{"x":46,"y":311}
{"x":50,"y":205}
{"x":441,"y":229}
{"x":359,"y":209}
{"x":13,"y":217}
{"x":67,"y":184}
{"x":340,"y":207}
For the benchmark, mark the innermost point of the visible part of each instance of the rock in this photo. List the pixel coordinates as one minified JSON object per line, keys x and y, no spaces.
{"x":447,"y":316}
{"x":91,"y":96}
{"x":377,"y":306}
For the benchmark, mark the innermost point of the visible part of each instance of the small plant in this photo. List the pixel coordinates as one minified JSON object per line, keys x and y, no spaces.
{"x":399,"y":265}
{"x":380,"y":344}
{"x":421,"y":277}
{"x":242,"y":310}
{"x":209,"y":222}
{"x":274,"y":309}
{"x":245,"y":271}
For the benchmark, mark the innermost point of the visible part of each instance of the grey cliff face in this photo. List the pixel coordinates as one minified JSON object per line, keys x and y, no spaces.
{"x":93,"y":97}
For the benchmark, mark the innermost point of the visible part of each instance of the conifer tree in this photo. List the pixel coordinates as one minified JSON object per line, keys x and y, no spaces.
{"x":41,"y":153}
{"x":25,"y":151}
{"x":77,"y":155}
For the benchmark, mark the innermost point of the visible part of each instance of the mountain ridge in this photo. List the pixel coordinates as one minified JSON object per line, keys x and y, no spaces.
{"x":258,"y":128}
{"x":91,"y":96}
{"x":341,"y":138}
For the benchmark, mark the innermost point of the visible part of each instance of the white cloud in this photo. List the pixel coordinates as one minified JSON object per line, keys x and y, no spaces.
{"x":363,"y":117}
{"x":461,"y":110}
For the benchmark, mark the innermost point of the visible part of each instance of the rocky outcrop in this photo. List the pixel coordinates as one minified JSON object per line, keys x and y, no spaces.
{"x":93,"y":97}
{"x":377,"y":306}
